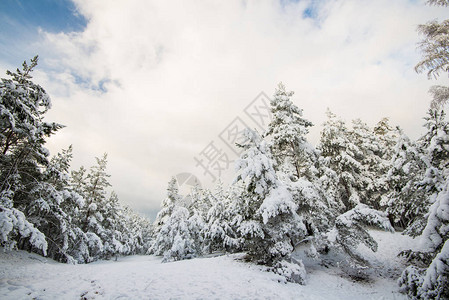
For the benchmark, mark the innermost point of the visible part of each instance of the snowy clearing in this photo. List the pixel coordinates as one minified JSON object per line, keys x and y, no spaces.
{"x":29,"y":276}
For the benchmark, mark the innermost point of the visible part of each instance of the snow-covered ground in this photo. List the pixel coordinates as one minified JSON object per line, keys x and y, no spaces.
{"x":29,"y":276}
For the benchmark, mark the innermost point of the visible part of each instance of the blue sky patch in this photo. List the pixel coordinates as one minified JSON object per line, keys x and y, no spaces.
{"x":20,"y":21}
{"x":50,"y":15}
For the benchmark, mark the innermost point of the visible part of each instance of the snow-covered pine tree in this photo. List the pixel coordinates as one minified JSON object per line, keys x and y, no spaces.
{"x":15,"y":227}
{"x":346,"y":176}
{"x":140,"y":231}
{"x":430,"y":278}
{"x":173,"y":236}
{"x":198,"y":208}
{"x":435,"y":48}
{"x":78,"y":181}
{"x":219,"y":234}
{"x":287,"y":131}
{"x":265,"y":214}
{"x":109,"y":228}
{"x":54,"y":210}
{"x":22,"y":153}
{"x":435,"y":240}
{"x":200,"y":201}
{"x":296,"y":161}
{"x":406,"y":202}
{"x":387,"y":137}
{"x":434,"y":163}
{"x":94,"y":211}
{"x":127,"y":232}
{"x":329,"y":182}
{"x":134,"y":232}
{"x":175,"y":239}
{"x":432,"y":281}
{"x":317,"y":211}
{"x":371,"y":158}
{"x":338,"y":162}
{"x":113,"y":219}
{"x":167,"y":207}
{"x":197,"y":227}
{"x":96,"y":185}
{"x":349,"y":230}
{"x":436,"y":141}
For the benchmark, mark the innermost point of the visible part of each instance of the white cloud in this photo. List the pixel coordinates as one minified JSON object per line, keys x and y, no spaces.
{"x":177,"y":72}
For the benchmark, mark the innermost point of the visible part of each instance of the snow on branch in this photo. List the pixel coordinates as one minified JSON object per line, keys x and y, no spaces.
{"x":13,"y":222}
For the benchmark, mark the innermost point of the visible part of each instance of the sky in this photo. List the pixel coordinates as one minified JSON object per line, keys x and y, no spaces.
{"x":164,"y":86}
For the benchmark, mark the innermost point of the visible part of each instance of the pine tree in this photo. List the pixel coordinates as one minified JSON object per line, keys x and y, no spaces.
{"x":54,"y":208}
{"x":174,"y":234}
{"x":78,"y":181}
{"x":406,"y":202}
{"x":287,"y":131}
{"x":112,"y":236}
{"x":340,"y":155}
{"x":86,"y":240}
{"x":94,"y":190}
{"x":431,"y":281}
{"x":434,"y":162}
{"x":175,"y":239}
{"x":168,"y":206}
{"x":200,"y":201}
{"x":316,"y":209}
{"x":22,"y":153}
{"x":14,"y":226}
{"x":436,"y":141}
{"x":386,"y":137}
{"x":134,"y":232}
{"x":349,"y":230}
{"x":435,"y":48}
{"x":198,"y":209}
{"x":373,"y":164}
{"x":265,"y":214}
{"x":349,"y":167}
{"x":219,"y":234}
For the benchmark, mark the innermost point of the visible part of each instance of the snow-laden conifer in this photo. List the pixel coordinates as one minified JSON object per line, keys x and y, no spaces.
{"x":435,"y":49}
{"x":287,"y":131}
{"x":351,"y":230}
{"x":54,"y":209}
{"x":339,"y":162}
{"x":23,"y":132}
{"x":219,"y":234}
{"x":265,"y":213}
{"x":177,"y":232}
{"x":406,"y":201}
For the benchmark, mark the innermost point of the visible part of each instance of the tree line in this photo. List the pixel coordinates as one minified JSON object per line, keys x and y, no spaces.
{"x":44,"y":207}
{"x":289,"y":195}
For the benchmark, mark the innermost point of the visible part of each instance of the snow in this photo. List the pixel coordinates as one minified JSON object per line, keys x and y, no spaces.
{"x":435,"y":273}
{"x":13,"y":221}
{"x":25,"y":275}
{"x":438,"y":221}
{"x":277,"y":202}
{"x":362,"y":213}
